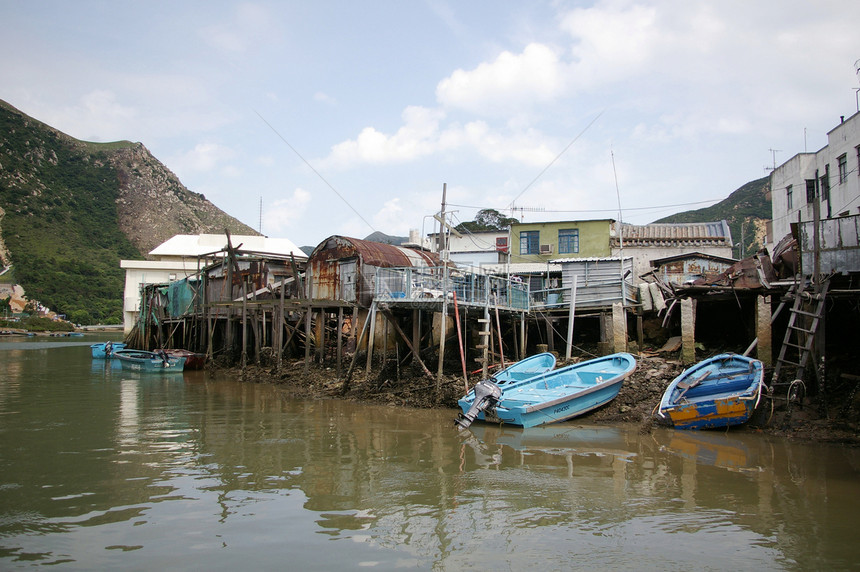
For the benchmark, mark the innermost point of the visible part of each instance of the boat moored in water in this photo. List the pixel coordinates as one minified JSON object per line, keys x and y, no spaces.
{"x":149,"y":362}
{"x":105,"y":350}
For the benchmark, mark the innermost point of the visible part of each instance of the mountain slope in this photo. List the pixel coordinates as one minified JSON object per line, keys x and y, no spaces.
{"x":70,"y":210}
{"x":747,"y":211}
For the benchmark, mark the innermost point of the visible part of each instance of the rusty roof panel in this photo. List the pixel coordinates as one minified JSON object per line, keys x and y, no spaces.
{"x":373,"y":253}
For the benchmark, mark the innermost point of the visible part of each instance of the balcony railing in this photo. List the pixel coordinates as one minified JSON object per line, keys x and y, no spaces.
{"x":428,"y":285}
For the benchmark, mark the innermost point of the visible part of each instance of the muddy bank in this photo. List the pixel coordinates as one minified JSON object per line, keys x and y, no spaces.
{"x":636,"y":402}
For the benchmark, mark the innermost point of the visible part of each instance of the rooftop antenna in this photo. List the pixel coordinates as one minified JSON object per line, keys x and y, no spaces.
{"x":260,"y":228}
{"x":773,"y":153}
{"x":857,"y":90}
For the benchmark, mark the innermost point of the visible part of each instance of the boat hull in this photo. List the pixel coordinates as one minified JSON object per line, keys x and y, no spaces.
{"x":558,"y":395}
{"x":722,"y":391}
{"x":148,"y":362}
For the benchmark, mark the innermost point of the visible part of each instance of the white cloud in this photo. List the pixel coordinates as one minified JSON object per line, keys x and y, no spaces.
{"x":278,"y":216}
{"x":324,"y":98}
{"x":418,"y":137}
{"x":249,"y":25}
{"x":203,"y":158}
{"x":506,"y":84}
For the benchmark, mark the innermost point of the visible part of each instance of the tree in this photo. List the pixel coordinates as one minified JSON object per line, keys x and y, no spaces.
{"x":487,"y":219}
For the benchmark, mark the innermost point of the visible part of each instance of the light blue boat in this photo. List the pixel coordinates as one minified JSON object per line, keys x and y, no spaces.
{"x":524,"y":369}
{"x":105,"y":350}
{"x":149,"y":362}
{"x":550,"y":397}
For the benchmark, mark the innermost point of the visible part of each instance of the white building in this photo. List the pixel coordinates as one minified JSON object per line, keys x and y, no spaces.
{"x":832,"y":174}
{"x":476,"y":249}
{"x":183,"y":256}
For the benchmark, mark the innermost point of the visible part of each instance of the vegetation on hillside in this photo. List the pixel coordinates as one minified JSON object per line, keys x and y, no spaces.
{"x":61,"y":220}
{"x":746,"y":210}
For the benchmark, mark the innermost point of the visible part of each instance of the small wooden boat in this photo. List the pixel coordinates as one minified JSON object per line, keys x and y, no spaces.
{"x":718,"y":392}
{"x":553,"y":396}
{"x":149,"y":362}
{"x":105,"y":350}
{"x":192,"y":360}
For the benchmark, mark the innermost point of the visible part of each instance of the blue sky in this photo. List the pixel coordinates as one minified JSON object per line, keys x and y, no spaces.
{"x":345,"y":117}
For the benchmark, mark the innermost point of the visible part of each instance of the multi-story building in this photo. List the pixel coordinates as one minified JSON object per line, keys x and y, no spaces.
{"x":829,"y":176}
{"x":545,"y":241}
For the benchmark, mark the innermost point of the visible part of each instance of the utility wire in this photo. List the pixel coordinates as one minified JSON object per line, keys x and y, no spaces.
{"x":315,"y":171}
{"x":557,"y":157}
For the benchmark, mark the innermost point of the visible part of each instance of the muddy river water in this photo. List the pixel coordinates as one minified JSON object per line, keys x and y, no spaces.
{"x":105,"y":469}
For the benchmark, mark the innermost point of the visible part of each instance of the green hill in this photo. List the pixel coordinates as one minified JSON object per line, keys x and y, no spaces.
{"x":747,"y":211}
{"x":70,"y":210}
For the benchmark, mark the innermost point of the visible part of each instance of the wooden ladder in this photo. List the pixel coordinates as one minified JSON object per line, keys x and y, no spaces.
{"x":803,"y":323}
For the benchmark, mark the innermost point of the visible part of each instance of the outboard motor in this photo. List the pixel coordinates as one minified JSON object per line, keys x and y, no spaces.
{"x":164,"y":359}
{"x":487,"y":395}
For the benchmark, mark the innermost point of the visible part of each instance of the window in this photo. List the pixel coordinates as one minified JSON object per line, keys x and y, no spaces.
{"x":825,"y":183}
{"x":810,"y":190}
{"x":843,"y":168}
{"x":568,"y":240}
{"x":789,"y":198}
{"x":502,"y":244}
{"x":529,"y":242}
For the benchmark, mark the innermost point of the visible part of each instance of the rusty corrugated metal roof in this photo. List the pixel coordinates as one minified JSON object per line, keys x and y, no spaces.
{"x":374,"y":253}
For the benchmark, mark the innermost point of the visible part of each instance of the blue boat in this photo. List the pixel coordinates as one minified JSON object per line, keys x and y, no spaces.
{"x":105,"y":350}
{"x":721,"y":391}
{"x":149,"y":362}
{"x":550,"y":397}
{"x":525,"y":369}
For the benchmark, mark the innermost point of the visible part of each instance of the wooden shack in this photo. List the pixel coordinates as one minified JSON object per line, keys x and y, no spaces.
{"x":344,"y":269}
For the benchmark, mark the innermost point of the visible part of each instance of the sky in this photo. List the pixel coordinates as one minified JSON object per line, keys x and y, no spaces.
{"x":310,"y":119}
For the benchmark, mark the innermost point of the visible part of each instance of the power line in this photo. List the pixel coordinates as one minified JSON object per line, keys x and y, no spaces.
{"x":601,"y":210}
{"x":563,"y":151}
{"x":315,"y":172}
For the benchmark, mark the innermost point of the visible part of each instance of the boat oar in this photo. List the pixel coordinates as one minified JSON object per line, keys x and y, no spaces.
{"x":688,"y":386}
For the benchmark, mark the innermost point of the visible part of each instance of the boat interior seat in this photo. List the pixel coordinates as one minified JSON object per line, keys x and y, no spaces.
{"x":728,"y":386}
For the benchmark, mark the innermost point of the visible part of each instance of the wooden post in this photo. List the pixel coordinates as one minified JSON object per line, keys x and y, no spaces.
{"x":339,"y":340}
{"x":763,"y":331}
{"x":416,"y":335}
{"x":280,"y":322}
{"x":570,"y":316}
{"x":308,"y":314}
{"x":688,"y":331}
{"x":442,"y":331}
{"x":371,"y":336}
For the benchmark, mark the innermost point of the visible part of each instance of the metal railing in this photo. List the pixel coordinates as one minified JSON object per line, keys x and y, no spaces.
{"x":417,"y":285}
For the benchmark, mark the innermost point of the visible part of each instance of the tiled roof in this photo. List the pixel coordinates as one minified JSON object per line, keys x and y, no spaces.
{"x":692,"y":233}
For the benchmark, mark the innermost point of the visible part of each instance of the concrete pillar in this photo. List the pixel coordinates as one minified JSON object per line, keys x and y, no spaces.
{"x":688,"y":331}
{"x":619,"y":328}
{"x":764,"y":349}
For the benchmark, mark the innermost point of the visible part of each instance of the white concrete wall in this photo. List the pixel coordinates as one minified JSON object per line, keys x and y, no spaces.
{"x":844,"y":139}
{"x":139,"y":272}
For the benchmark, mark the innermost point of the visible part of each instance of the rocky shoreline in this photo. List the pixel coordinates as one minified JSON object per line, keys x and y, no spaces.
{"x":636,"y":402}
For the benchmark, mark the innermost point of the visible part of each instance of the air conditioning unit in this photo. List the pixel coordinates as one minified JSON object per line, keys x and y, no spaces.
{"x":546,"y":249}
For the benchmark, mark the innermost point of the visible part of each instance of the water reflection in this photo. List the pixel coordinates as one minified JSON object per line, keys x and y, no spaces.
{"x":203,"y":471}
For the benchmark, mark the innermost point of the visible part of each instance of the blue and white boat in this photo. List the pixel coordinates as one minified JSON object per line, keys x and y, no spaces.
{"x":550,"y":397}
{"x":105,"y":350}
{"x":718,"y":392}
{"x":524,"y":369}
{"x":149,"y":362}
